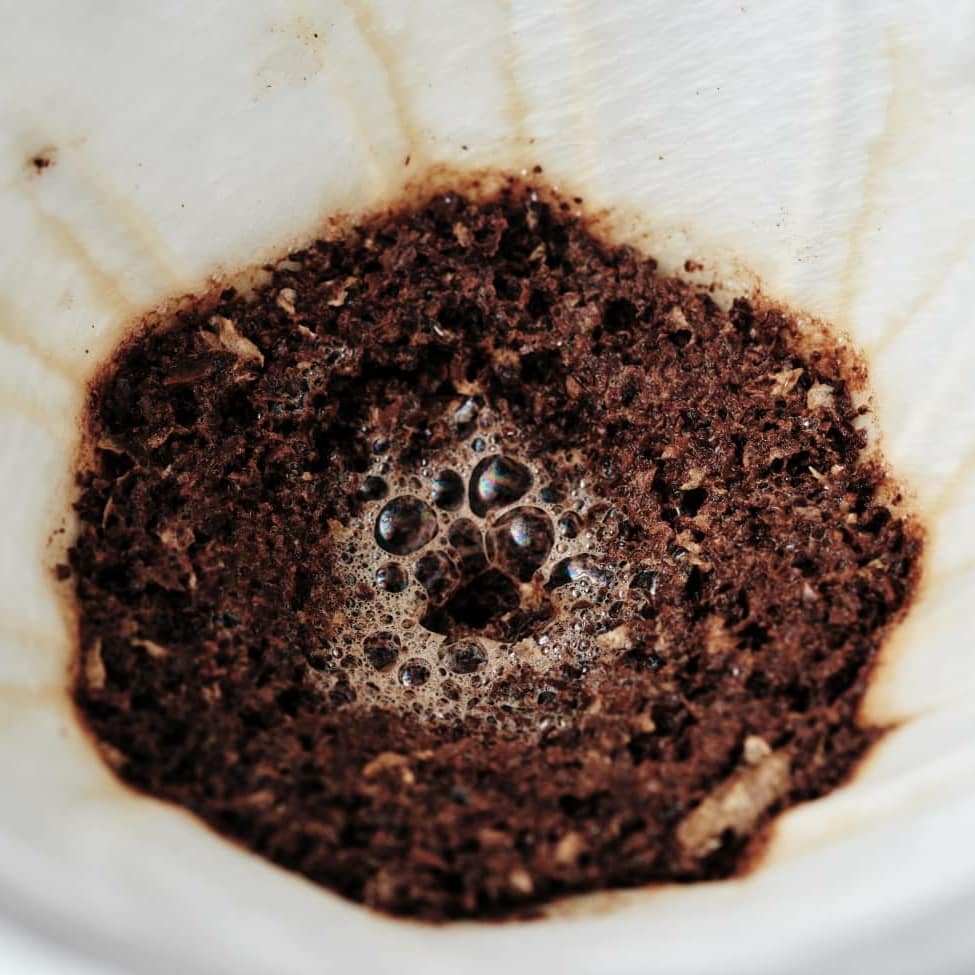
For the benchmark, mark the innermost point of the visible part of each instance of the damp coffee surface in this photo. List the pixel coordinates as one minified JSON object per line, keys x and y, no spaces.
{"x":465,"y":562}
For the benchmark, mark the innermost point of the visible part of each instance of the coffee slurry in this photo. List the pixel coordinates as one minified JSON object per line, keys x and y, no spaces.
{"x":465,"y":562}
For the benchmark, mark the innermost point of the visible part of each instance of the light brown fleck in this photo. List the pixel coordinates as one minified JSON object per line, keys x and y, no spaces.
{"x":820,"y":396}
{"x":677,"y":317}
{"x":615,"y":639}
{"x":95,"y":666}
{"x":151,"y":647}
{"x":112,"y":755}
{"x":737,"y":805}
{"x":520,"y":880}
{"x":718,"y":639}
{"x":286,"y":300}
{"x":785,"y":381}
{"x":694,"y":479}
{"x":231,"y":340}
{"x":755,"y":749}
{"x":388,"y":761}
{"x":568,"y":848}
{"x":338,"y":300}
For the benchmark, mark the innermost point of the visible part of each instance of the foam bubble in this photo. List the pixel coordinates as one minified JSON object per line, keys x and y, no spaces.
{"x":405,"y":524}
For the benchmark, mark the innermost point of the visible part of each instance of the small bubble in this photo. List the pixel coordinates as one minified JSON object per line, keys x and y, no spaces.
{"x":520,"y":541}
{"x":570,"y":524}
{"x":546,"y":696}
{"x":448,"y":490}
{"x":414,"y":673}
{"x":479,"y":445}
{"x":552,"y":494}
{"x":644,"y":578}
{"x":437,"y":573}
{"x":465,"y":415}
{"x":583,"y":570}
{"x":464,"y":657}
{"x":381,"y":649}
{"x":404,"y":525}
{"x":380,"y":445}
{"x":609,"y":526}
{"x":372,"y":489}
{"x":497,"y":481}
{"x":391,"y":578}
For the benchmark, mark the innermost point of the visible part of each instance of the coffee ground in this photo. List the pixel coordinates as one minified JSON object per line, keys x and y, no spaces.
{"x":465,"y":563}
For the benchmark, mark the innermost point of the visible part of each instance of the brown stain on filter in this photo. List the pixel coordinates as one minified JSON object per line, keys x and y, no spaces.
{"x":962,"y":474}
{"x":384,"y":50}
{"x":515,"y":102}
{"x":66,"y":240}
{"x":126,"y":214}
{"x":586,"y":116}
{"x":47,"y":419}
{"x":340,"y":89}
{"x":879,"y":154}
{"x":41,"y":159}
{"x":928,"y":291}
{"x":23,"y":340}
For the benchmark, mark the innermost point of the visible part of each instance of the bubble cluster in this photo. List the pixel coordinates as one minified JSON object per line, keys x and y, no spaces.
{"x":470,"y":570}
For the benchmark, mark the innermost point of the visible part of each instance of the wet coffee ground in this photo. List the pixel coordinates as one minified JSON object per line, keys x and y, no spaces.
{"x":464,"y":562}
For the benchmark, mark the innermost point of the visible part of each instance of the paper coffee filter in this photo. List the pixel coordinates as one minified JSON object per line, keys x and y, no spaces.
{"x":824,"y":151}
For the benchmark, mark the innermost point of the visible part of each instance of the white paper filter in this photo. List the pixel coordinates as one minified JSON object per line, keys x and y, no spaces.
{"x":827,"y":149}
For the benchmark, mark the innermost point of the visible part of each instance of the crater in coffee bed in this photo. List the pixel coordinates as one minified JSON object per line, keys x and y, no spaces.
{"x":470,"y":563}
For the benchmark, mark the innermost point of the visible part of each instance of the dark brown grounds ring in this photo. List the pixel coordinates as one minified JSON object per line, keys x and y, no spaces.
{"x":469,"y":564}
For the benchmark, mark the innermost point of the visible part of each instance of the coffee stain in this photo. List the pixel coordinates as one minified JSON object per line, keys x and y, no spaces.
{"x":927,"y":292}
{"x":583,"y":46}
{"x":37,"y":412}
{"x":879,"y":155}
{"x":384,"y":51}
{"x":37,"y":639}
{"x":70,"y":245}
{"x":925,"y":410}
{"x":955,"y":482}
{"x":133,"y":220}
{"x":515,"y":102}
{"x":950,"y":573}
{"x":41,"y":159}
{"x":296,"y":54}
{"x":54,"y":696}
{"x":22,"y":340}
{"x":340,"y":88}
{"x":818,"y":169}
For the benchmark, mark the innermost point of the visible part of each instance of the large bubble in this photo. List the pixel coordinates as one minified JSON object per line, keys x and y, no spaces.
{"x":520,"y":540}
{"x":405,"y":525}
{"x":497,"y":481}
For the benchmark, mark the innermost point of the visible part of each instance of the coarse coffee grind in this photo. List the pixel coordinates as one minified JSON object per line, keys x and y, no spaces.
{"x":465,"y":562}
